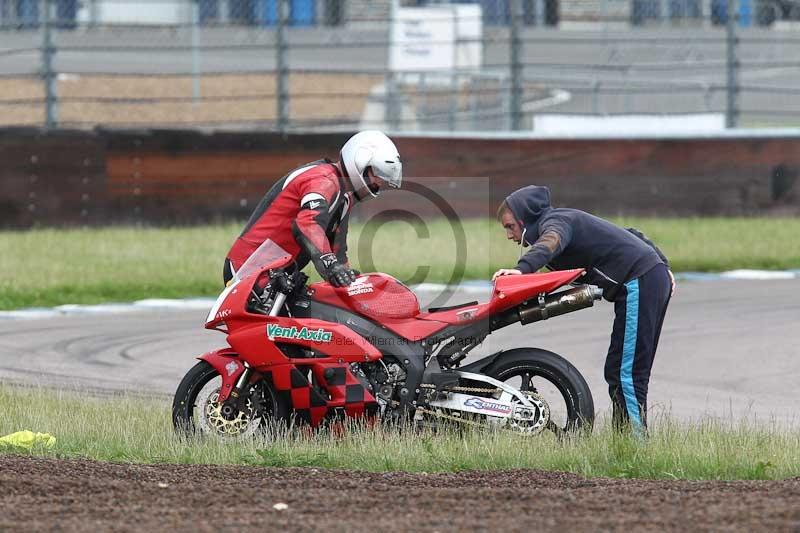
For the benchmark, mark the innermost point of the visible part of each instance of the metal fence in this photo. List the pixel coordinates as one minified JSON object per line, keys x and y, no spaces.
{"x":482,"y":65}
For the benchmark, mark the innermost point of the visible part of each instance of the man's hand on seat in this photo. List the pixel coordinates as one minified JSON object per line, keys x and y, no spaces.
{"x":336,"y":273}
{"x":506,"y":272}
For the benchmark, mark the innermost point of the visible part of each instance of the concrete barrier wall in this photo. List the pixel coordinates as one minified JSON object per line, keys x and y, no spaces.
{"x":187,"y":177}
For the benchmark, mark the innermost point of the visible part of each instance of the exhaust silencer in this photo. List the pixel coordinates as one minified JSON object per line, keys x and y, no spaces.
{"x":559,"y":304}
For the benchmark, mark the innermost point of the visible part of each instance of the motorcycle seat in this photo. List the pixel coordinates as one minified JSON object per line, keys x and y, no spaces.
{"x":456,"y":314}
{"x":451,"y":307}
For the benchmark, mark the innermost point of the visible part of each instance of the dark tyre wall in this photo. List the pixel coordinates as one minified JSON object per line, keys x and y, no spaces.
{"x":189,"y":177}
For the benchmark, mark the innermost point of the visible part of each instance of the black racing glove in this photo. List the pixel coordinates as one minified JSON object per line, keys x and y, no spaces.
{"x":335,"y":272}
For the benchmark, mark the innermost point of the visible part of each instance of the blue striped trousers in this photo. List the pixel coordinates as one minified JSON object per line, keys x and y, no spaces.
{"x":640,"y":307}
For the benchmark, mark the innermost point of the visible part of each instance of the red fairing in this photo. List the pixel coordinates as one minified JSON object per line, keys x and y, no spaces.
{"x":462,"y":315}
{"x":508,"y":291}
{"x":344,"y":389}
{"x":375,"y":296}
{"x":233,"y":305}
{"x":335,"y":341}
{"x":226,"y":362}
{"x":414,"y":329}
{"x":513,"y":290}
{"x":381,"y":298}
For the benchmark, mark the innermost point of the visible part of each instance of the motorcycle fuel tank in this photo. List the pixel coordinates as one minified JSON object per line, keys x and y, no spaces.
{"x":372,"y":295}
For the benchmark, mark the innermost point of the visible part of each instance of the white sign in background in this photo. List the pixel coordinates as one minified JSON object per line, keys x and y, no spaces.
{"x":628,"y":125}
{"x":437,"y":38}
{"x":156,"y":13}
{"x":423,"y":38}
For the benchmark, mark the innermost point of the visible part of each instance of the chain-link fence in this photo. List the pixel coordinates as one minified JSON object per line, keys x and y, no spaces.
{"x":482,"y":65}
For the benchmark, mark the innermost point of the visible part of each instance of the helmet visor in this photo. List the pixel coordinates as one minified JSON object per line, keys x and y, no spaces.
{"x":389,"y":171}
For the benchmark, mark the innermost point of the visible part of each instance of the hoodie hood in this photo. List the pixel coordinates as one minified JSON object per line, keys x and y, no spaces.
{"x":529,"y":203}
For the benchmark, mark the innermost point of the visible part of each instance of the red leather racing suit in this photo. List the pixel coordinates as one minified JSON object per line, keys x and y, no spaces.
{"x":306,"y":212}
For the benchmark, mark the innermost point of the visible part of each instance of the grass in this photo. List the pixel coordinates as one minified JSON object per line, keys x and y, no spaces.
{"x":130,"y":429}
{"x":46,"y":267}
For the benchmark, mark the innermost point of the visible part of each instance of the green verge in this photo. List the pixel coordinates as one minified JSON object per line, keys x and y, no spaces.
{"x":47,"y":267}
{"x":131,"y":429}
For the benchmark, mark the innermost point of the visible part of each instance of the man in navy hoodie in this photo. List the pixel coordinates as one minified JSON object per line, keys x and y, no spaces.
{"x":630,"y":269}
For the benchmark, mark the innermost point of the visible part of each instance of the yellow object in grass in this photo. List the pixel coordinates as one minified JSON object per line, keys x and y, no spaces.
{"x":28,"y":439}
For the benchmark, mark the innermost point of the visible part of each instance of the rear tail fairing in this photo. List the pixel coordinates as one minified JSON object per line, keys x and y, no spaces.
{"x":507,"y":293}
{"x":457,"y":340}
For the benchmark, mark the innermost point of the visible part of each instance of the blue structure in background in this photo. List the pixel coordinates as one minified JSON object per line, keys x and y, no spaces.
{"x":208,"y":11}
{"x":719,"y":12}
{"x":269,"y":12}
{"x":302,"y":13}
{"x":66,"y":13}
{"x":495,"y":12}
{"x":259,"y":12}
{"x":644,"y":10}
{"x":682,"y":9}
{"x":27,"y":13}
{"x":745,"y":13}
{"x":498,"y":12}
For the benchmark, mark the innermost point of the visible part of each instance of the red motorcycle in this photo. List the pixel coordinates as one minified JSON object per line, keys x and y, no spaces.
{"x":313,"y":353}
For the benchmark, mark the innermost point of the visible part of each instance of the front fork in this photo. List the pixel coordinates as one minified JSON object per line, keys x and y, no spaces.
{"x":233,"y":402}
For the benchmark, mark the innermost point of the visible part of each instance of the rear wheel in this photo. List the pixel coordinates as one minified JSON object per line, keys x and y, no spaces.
{"x":549,"y":377}
{"x":196,"y":409}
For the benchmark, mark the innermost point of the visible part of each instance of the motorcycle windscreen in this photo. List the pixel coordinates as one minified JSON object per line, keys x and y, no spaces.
{"x":268,"y":255}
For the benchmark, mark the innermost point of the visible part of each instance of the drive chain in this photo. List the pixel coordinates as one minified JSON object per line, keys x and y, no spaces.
{"x":472,"y":423}
{"x":473,"y":390}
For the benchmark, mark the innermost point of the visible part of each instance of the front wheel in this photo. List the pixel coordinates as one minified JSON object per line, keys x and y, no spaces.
{"x":553,"y":379}
{"x":196,"y":409}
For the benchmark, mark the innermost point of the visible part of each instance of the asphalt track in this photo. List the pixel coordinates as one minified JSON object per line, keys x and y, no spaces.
{"x":729,"y":350}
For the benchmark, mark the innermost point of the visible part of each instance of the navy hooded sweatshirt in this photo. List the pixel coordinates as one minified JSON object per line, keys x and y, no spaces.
{"x":569,"y":238}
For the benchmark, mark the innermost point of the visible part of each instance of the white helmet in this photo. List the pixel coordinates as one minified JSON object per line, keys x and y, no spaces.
{"x":371,"y":149}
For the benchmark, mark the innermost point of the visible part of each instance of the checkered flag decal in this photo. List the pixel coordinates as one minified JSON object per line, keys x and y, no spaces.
{"x":345,"y":391}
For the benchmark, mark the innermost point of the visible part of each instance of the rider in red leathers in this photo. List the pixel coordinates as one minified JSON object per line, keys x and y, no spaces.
{"x":307,"y":211}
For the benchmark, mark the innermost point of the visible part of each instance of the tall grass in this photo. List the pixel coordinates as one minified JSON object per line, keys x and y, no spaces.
{"x":48,"y":267}
{"x":130,"y":429}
